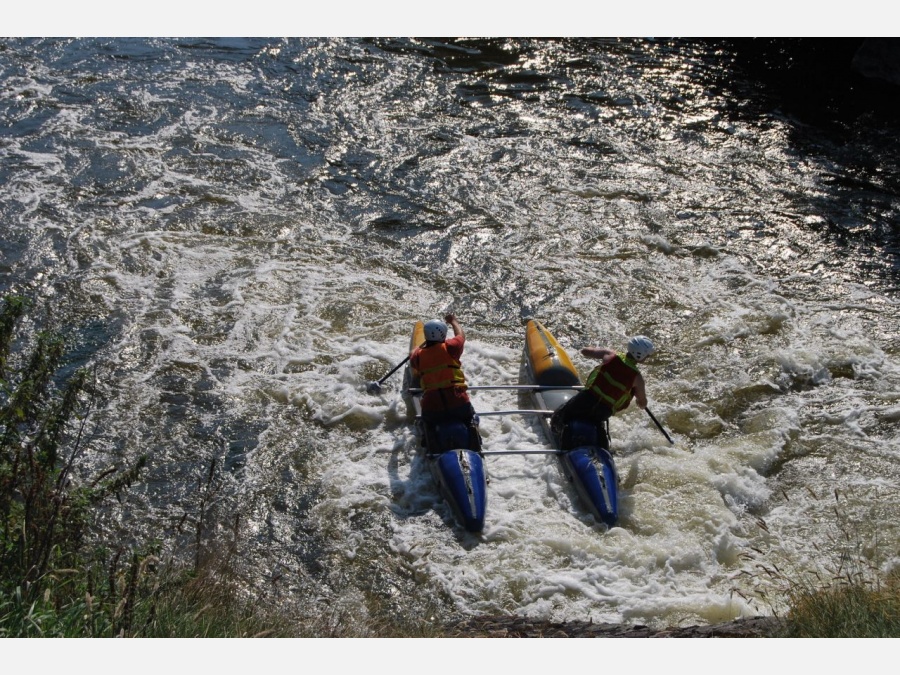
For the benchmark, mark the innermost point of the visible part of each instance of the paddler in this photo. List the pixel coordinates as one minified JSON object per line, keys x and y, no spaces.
{"x":437,"y":364}
{"x":609,"y":387}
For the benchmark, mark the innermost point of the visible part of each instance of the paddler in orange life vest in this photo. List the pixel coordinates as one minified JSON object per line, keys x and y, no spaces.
{"x":437,"y":365}
{"x":610,"y":386}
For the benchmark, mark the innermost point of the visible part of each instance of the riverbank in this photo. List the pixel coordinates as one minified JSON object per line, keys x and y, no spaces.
{"x":519,"y":627}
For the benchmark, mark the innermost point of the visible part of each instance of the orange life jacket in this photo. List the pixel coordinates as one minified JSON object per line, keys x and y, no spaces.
{"x":436,"y":368}
{"x":613,"y":382}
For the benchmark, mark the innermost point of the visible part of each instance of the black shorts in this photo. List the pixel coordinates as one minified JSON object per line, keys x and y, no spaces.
{"x":463,"y":413}
{"x":584,"y":405}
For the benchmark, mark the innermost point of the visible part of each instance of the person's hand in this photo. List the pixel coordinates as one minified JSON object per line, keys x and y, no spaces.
{"x":450,"y":318}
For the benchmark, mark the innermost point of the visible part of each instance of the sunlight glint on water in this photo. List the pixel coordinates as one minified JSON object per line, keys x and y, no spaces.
{"x":260,"y":223}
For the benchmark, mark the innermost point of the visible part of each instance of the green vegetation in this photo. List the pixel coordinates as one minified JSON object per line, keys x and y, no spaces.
{"x":850,"y":608}
{"x":850,"y":596}
{"x":62,"y":576}
{"x":58,"y":575}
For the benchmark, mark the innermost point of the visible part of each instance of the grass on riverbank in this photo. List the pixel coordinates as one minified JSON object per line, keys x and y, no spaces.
{"x":850,"y":609}
{"x":60,"y":575}
{"x":180,"y":606}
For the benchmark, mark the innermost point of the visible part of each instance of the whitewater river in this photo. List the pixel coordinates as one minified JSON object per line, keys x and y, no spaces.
{"x":240,"y":234}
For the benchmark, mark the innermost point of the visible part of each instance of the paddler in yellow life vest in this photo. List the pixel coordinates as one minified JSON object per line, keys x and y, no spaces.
{"x":437,"y":364}
{"x":609,"y":387}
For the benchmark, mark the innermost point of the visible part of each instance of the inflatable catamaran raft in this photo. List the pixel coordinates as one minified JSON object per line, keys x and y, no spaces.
{"x":585,"y":459}
{"x":453,"y":453}
{"x":453,"y":450}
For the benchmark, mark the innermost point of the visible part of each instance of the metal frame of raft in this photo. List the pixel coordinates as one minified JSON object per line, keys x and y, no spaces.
{"x":521,"y":387}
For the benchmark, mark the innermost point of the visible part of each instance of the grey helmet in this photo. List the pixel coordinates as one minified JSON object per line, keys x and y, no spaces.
{"x":640,"y":347}
{"x":435,"y":331}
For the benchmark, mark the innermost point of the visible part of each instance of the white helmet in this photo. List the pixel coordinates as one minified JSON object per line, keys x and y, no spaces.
{"x":640,"y":347}
{"x":435,"y":331}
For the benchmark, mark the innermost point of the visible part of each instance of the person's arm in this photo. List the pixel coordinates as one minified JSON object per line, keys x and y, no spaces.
{"x":454,"y":324}
{"x":597,"y":352}
{"x":640,"y":393}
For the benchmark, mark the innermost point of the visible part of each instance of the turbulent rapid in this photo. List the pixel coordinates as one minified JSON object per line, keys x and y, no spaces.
{"x":240,"y":234}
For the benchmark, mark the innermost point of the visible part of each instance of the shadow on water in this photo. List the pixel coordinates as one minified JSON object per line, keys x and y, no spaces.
{"x":827,"y":82}
{"x":839,"y":97}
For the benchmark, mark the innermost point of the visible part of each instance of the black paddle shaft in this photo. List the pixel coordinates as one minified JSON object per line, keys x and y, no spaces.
{"x":660,"y":426}
{"x":375,"y":386}
{"x":394,"y":370}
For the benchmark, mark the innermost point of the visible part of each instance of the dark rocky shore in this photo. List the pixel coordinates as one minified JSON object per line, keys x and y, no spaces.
{"x":518,"y":627}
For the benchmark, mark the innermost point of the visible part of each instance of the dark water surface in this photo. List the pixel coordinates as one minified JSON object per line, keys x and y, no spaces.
{"x":240,"y":234}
